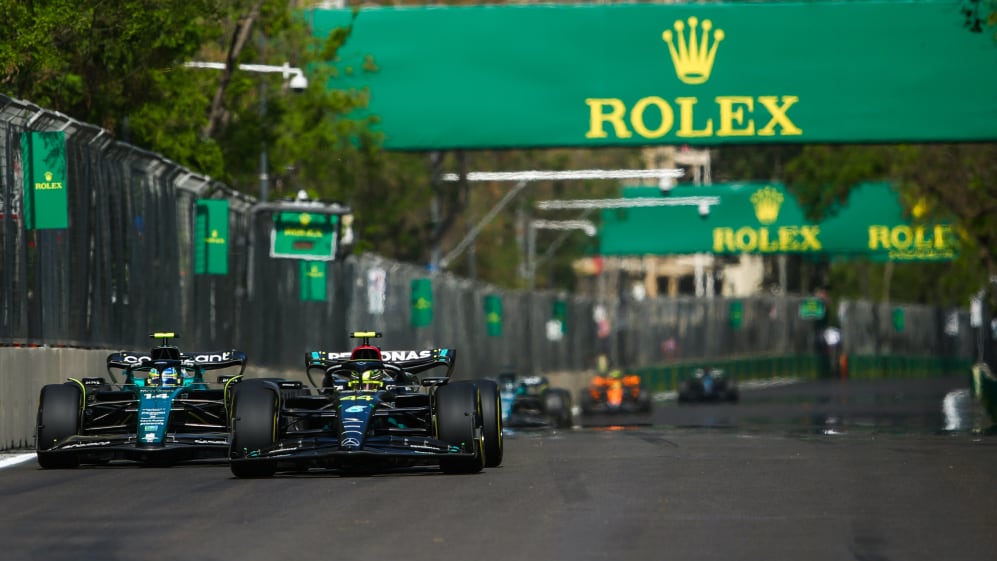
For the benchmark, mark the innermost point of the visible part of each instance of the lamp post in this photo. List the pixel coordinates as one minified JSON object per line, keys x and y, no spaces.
{"x":296,"y":80}
{"x":531,"y":240}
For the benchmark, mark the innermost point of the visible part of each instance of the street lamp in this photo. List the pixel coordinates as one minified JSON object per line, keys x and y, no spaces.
{"x":523,"y":178}
{"x":531,"y":240}
{"x":296,"y":80}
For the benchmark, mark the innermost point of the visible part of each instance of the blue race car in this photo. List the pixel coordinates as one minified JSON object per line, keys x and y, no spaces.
{"x":372,"y":410}
{"x":163,"y":411}
{"x":708,"y":384}
{"x":530,"y":402}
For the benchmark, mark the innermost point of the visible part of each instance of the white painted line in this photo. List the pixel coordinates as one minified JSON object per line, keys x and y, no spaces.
{"x":14,"y":460}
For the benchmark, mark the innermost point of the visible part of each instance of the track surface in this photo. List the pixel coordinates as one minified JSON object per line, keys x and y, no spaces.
{"x":860,"y":471}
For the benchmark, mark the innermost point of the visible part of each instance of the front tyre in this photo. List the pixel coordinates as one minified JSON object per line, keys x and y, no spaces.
{"x":458,"y":408}
{"x":491,"y":422}
{"x":254,"y":427}
{"x":59,"y":410}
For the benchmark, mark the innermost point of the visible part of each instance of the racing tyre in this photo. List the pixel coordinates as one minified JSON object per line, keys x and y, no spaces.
{"x":557,"y":405}
{"x":254,"y":426}
{"x":458,"y":408}
{"x":58,"y":417}
{"x":491,"y":422}
{"x":567,"y":419}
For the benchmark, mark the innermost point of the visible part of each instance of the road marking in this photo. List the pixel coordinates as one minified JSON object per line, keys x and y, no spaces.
{"x":14,"y":460}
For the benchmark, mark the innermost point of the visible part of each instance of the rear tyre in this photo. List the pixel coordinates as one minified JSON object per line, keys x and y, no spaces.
{"x":254,"y":426}
{"x":557,"y":405}
{"x":567,"y":416}
{"x":491,"y":422}
{"x":59,"y":408}
{"x":458,"y":408}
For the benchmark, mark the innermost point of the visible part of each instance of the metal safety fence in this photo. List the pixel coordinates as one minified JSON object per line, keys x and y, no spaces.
{"x":124,"y":267}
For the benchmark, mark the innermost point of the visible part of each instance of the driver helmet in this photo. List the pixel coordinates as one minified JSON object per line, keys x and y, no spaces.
{"x":168,"y":377}
{"x":369,"y":380}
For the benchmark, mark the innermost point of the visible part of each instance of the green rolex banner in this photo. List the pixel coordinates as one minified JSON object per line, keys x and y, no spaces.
{"x":313,"y":275}
{"x":211,"y":237}
{"x":898,"y":320}
{"x":560,"y":313}
{"x":591,"y":74}
{"x":493,"y":315}
{"x":736,"y":314}
{"x":733,"y":218}
{"x":422,"y":302}
{"x":45,"y":180}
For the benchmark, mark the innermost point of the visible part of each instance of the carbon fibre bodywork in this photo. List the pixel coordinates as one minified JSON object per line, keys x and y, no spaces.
{"x":144,"y":417}
{"x":708,"y":384}
{"x":413,"y":420}
{"x":615,"y":393}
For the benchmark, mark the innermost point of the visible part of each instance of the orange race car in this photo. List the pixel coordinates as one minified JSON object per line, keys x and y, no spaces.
{"x":615,"y":392}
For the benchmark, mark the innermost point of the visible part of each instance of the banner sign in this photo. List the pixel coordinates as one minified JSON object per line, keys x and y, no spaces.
{"x":493,"y":315}
{"x":377,"y":289}
{"x":812,"y":308}
{"x":45,"y":180}
{"x":559,"y":313}
{"x":766,"y":218}
{"x":313,"y":275}
{"x":211,"y":237}
{"x":638,"y":74}
{"x":304,"y":235}
{"x":736,"y":314}
{"x":422,"y":302}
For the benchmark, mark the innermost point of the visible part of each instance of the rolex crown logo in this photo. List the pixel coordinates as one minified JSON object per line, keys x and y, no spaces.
{"x":767,"y":201}
{"x":48,"y":176}
{"x":693,"y":55}
{"x":305,"y":219}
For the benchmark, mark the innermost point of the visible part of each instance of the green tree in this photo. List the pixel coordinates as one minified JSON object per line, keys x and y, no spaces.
{"x":944,"y":182}
{"x":120,"y":65}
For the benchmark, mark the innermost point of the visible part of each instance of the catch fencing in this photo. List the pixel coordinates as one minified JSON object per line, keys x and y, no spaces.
{"x":124,"y":268}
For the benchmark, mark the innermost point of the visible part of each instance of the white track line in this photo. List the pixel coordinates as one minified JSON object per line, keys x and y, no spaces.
{"x":14,"y":460}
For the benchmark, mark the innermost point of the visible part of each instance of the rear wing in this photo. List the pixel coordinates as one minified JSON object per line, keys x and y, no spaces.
{"x":208,"y":360}
{"x":412,"y":362}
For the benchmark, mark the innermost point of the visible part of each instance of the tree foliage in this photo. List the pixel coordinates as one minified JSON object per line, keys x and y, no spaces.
{"x":954,"y":183}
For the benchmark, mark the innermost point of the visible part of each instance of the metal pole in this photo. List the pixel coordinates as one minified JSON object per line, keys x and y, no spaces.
{"x":435,"y":160}
{"x":531,"y":251}
{"x":264,"y":179}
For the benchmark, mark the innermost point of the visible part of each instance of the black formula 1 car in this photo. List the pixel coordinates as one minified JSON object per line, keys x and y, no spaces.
{"x":530,"y":402}
{"x":368,"y":414}
{"x":708,"y":384}
{"x":163,"y":411}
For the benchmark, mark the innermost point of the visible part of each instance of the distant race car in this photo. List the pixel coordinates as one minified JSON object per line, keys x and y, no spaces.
{"x":615,"y":392}
{"x":371,"y":411}
{"x":708,"y":384}
{"x":530,"y":402}
{"x":163,"y":411}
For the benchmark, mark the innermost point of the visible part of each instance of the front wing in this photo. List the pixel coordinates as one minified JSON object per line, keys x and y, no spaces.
{"x":179,"y":447}
{"x":376,"y":451}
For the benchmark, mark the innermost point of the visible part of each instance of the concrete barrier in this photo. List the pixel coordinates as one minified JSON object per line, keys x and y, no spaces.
{"x":23,"y":372}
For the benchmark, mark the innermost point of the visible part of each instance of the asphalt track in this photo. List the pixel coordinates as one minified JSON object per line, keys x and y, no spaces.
{"x":867,"y":471}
